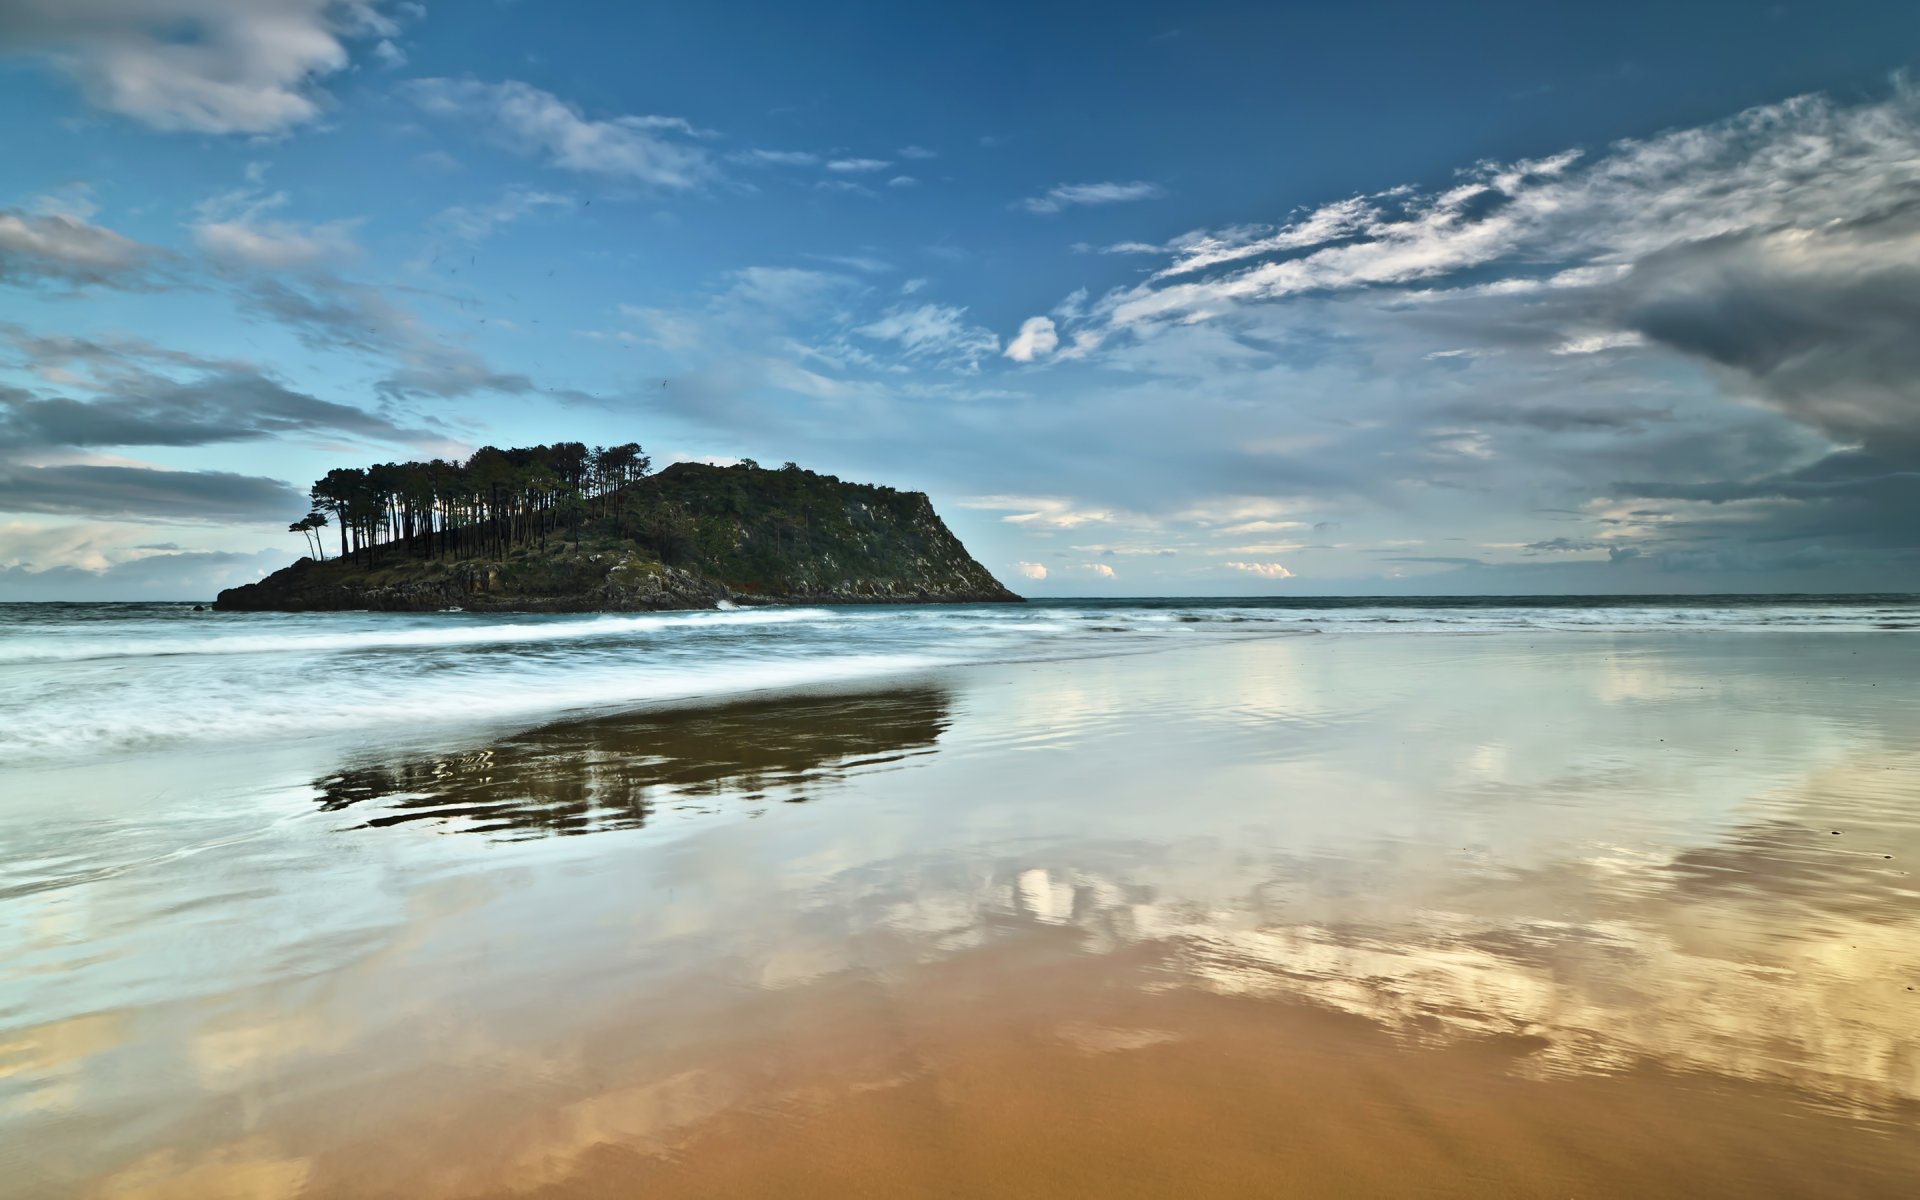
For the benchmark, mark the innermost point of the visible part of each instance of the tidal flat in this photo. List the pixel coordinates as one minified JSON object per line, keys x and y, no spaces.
{"x":1507,"y":912}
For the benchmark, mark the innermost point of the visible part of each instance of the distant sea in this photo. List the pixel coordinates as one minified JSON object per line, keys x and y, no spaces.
{"x":78,"y":681}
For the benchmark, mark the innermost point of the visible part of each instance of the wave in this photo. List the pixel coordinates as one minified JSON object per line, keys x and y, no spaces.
{"x":236,"y":709}
{"x":297,"y":642}
{"x":77,"y":681}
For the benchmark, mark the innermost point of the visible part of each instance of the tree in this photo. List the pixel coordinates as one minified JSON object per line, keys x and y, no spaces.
{"x":495,"y":500}
{"x":309,"y":527}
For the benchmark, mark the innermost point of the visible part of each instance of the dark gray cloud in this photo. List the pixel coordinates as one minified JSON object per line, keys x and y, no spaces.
{"x":331,"y":314}
{"x":233,"y":405}
{"x":144,"y":493}
{"x":54,"y":248}
{"x":1563,"y":545}
{"x":1825,"y":321}
{"x":1563,"y":418}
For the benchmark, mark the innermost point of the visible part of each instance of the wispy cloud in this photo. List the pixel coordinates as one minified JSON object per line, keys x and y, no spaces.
{"x":778,"y":158}
{"x":935,"y":333}
{"x":1068,"y":195}
{"x":476,"y":222}
{"x":652,"y":150}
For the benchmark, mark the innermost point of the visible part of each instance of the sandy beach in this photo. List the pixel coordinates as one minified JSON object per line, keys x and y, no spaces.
{"x":1533,"y":913}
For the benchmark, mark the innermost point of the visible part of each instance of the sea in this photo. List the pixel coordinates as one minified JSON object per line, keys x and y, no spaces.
{"x":1353,"y":896}
{"x":81,"y":681}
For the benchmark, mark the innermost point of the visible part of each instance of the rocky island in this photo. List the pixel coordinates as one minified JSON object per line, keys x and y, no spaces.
{"x":565,"y":528}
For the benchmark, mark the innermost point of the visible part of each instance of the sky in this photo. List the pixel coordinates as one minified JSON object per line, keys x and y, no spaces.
{"x":1151,"y":299}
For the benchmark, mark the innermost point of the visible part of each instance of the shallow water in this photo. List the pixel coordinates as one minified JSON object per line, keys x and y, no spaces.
{"x":1562,"y":908}
{"x":81,"y":680}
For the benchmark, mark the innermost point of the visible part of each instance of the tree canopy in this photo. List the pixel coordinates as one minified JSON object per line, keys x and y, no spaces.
{"x":494,"y":500}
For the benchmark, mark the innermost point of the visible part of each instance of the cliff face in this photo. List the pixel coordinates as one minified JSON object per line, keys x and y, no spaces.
{"x":689,"y":537}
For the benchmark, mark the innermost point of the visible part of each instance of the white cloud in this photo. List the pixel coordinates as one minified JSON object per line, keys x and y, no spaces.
{"x":1802,"y":163}
{"x":74,"y":201}
{"x":1031,"y":570}
{"x":934,"y":332}
{"x":638,"y":148}
{"x":234,"y":230}
{"x":919,"y":152}
{"x":1036,"y":339}
{"x":1265,"y":570}
{"x":200,"y":66}
{"x":38,"y":247}
{"x":1066,"y":195}
{"x":778,"y":158}
{"x":858,"y":166}
{"x":278,"y":245}
{"x":901,"y":181}
{"x":391,"y":56}
{"x":1199,"y":250}
{"x":1594,"y":343}
{"x":1100,"y":569}
{"x":1041,"y":512}
{"x":864,"y":263}
{"x":474,"y":223}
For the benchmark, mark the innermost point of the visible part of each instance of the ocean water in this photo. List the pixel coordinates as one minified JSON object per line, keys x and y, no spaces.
{"x":1535,"y":897}
{"x":82,"y":681}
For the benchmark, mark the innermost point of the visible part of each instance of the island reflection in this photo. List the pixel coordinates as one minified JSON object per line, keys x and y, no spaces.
{"x":617,"y":772}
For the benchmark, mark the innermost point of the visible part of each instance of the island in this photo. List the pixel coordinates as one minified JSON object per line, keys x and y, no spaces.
{"x":568,"y":528}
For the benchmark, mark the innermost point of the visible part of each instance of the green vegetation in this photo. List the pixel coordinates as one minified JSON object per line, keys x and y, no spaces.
{"x":569,"y":528}
{"x":493,"y":501}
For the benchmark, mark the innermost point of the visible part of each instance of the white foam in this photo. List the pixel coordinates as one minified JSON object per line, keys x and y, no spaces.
{"x":70,"y":648}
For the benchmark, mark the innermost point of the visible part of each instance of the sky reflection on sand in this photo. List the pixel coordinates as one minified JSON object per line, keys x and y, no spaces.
{"x":1614,"y":853}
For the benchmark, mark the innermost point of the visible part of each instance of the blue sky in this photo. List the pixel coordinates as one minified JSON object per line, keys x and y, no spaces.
{"x":1151,"y":299}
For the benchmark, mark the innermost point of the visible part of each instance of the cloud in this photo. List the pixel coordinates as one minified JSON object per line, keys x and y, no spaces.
{"x":1199,"y":250}
{"x":1267,"y":570}
{"x":327,"y":313}
{"x":1100,"y":570}
{"x":473,"y":223}
{"x":1067,"y":195}
{"x":1825,"y":320}
{"x":228,"y":405}
{"x":1031,"y":570}
{"x":197,"y":66}
{"x":1798,"y":164}
{"x":58,"y":248}
{"x":778,"y":158}
{"x":1563,"y":418}
{"x":1036,"y":339}
{"x":902,"y":181}
{"x":146,"y":493}
{"x":935,"y":333}
{"x":278,"y":245}
{"x":648,"y":150}
{"x":1040,"y":512}
{"x":866,"y":264}
{"x":858,"y":166}
{"x":188,"y":575}
{"x":917,"y":152}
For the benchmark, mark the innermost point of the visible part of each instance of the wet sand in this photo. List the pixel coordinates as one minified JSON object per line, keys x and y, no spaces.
{"x":1573,"y":914}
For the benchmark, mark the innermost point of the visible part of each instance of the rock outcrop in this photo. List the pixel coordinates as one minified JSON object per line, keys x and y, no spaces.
{"x":692,"y":536}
